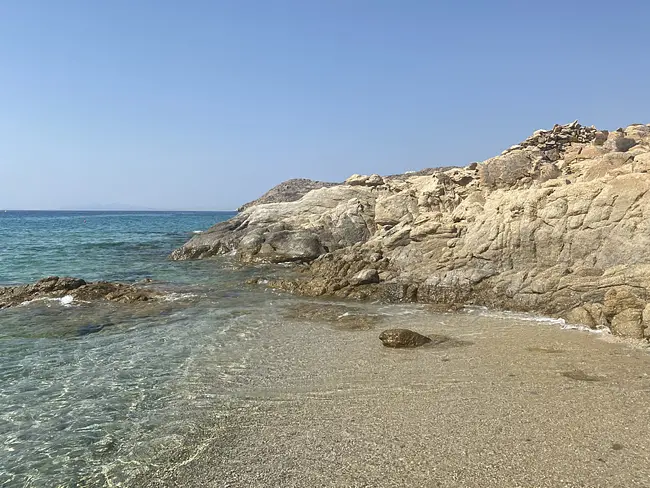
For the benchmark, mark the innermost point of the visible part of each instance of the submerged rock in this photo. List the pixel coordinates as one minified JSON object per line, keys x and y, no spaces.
{"x":402,"y":338}
{"x":338,"y":316}
{"x":70,"y":289}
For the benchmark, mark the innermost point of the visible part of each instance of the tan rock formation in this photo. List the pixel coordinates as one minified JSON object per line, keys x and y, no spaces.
{"x":558,"y":224}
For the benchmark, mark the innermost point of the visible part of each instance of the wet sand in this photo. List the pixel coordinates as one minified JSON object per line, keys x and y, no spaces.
{"x":507,"y":403}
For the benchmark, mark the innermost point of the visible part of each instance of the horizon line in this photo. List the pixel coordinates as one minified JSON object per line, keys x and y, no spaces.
{"x":109,"y":210}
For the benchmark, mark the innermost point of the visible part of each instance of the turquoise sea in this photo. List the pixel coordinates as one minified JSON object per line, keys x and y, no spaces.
{"x":222,"y":383}
{"x":124,"y":405}
{"x":126,"y":246}
{"x":88,"y":410}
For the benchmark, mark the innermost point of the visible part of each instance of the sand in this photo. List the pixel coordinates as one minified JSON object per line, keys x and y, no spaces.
{"x":508,"y":403}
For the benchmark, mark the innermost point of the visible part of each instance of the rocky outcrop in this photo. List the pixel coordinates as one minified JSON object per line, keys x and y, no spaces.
{"x":288,"y":191}
{"x":558,"y":224}
{"x":322,"y":221}
{"x":77,"y":289}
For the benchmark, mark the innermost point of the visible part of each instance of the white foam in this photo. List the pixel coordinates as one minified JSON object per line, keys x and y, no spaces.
{"x":197,"y":232}
{"x":485,"y":312}
{"x":174,"y":297}
{"x":65,"y":301}
{"x":583,"y":328}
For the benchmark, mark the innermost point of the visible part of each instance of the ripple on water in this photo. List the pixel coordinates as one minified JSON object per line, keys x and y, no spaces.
{"x":71,"y":404}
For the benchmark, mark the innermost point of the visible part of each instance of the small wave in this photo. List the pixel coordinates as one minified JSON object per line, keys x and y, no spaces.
{"x":66,"y":301}
{"x":174,"y":297}
{"x":486,"y":312}
{"x":197,"y":232}
{"x":584,"y":328}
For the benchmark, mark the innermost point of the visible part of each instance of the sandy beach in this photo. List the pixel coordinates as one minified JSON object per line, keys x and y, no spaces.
{"x":505,"y":402}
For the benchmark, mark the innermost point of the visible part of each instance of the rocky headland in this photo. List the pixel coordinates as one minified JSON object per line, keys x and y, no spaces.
{"x":558,"y":224}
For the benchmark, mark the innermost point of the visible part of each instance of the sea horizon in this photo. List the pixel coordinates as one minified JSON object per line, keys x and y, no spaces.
{"x":113,"y":210}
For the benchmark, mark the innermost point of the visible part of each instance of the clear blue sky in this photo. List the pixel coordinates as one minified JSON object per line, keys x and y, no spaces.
{"x":207,"y":104}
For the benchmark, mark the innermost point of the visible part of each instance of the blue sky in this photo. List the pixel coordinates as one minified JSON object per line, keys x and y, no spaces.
{"x":207,"y":104}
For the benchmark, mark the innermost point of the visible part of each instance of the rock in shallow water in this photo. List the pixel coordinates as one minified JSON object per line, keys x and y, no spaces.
{"x":402,"y":338}
{"x":74,"y":289}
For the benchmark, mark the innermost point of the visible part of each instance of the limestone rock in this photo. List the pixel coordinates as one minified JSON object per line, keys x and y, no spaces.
{"x":365,"y":277}
{"x":288,"y":191}
{"x":363,"y":180}
{"x":628,"y":323}
{"x":618,"y":142}
{"x":323,"y":220}
{"x":559,"y":224}
{"x":400,"y":338}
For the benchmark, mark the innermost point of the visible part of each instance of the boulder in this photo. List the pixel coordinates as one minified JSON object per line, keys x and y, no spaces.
{"x":619,"y":143}
{"x":365,"y":277}
{"x":390,"y":209}
{"x":364,"y":180}
{"x":399,"y":338}
{"x":628,"y":323}
{"x":356,"y":180}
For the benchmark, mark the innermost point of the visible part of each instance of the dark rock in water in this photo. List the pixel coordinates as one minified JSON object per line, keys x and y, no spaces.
{"x":54,"y":283}
{"x":78,"y":289}
{"x":402,"y":338}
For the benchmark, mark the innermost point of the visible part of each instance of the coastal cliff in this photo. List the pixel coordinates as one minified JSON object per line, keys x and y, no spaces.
{"x":558,"y":224}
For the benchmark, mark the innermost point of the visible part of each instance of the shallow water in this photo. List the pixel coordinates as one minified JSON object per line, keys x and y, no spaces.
{"x":224,"y":384}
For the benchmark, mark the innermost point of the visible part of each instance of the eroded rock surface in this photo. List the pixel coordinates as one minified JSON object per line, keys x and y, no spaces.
{"x":78,"y":289}
{"x":558,"y":224}
{"x":322,"y":221}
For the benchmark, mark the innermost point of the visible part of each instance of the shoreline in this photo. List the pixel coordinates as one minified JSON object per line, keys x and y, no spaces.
{"x":509,"y":405}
